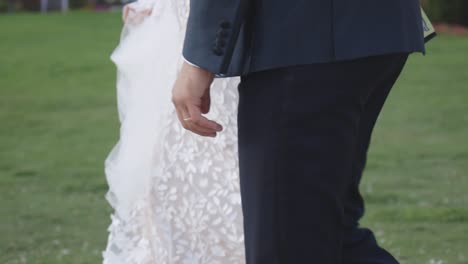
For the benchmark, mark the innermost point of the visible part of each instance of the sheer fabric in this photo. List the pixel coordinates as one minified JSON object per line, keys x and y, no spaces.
{"x":175,"y":195}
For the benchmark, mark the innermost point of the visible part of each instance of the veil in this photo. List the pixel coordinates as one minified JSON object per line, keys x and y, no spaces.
{"x":175,"y":195}
{"x":141,"y":107}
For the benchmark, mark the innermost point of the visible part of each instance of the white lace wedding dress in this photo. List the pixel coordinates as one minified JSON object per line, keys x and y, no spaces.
{"x":175,"y":194}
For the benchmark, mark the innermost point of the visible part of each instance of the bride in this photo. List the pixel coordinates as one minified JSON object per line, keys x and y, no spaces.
{"x":175,"y":195}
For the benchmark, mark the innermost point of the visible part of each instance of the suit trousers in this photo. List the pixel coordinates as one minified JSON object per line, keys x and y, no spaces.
{"x":304,"y":132}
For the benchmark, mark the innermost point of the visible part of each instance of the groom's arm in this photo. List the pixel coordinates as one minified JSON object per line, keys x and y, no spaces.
{"x":213,"y":28}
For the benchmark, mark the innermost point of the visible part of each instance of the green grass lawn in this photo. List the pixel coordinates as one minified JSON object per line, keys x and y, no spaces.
{"x":58,"y":121}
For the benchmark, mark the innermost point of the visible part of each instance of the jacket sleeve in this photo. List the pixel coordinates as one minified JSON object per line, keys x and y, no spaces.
{"x":212,"y":35}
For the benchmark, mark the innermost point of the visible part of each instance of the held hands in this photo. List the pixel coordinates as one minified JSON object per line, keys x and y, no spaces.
{"x":191,"y":97}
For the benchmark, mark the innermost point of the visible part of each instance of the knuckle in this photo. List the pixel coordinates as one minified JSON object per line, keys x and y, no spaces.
{"x":200,"y":132}
{"x":176,"y":99}
{"x":196,"y":119}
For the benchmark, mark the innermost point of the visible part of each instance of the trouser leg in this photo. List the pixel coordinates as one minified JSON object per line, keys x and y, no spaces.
{"x":298,"y":132}
{"x":360,"y":246}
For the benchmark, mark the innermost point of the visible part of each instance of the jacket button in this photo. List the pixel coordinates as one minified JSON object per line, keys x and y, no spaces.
{"x":222,"y":33}
{"x":225,"y":24}
{"x":220,"y":43}
{"x":217,"y":51}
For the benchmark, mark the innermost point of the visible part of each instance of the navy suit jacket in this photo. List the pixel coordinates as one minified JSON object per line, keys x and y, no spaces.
{"x":236,"y":37}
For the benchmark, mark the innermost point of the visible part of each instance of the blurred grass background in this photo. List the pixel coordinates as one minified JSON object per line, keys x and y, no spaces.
{"x":58,"y":121}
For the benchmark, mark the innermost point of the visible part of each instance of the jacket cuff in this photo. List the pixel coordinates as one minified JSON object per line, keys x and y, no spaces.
{"x":190,"y":62}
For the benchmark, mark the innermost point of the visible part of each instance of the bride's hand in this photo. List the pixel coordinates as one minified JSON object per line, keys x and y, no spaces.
{"x":191,"y":97}
{"x":131,"y":14}
{"x":126,"y":10}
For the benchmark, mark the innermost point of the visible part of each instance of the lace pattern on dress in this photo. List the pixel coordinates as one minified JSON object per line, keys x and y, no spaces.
{"x":189,"y":208}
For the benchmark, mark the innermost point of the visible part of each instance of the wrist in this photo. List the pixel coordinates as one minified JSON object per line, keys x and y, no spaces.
{"x":197,"y":73}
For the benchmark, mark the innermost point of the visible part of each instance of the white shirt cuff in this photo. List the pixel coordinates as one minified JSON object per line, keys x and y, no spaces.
{"x":189,"y":62}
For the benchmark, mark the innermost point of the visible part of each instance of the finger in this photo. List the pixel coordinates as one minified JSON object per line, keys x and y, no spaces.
{"x":182,"y":114}
{"x":194,"y":127}
{"x":206,"y":101}
{"x":201,"y":130}
{"x":147,"y":12}
{"x":204,"y":134}
{"x":124,"y":13}
{"x":198,"y":119}
{"x":128,"y":12}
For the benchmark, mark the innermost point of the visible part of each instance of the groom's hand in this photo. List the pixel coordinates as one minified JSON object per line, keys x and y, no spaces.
{"x":191,"y":97}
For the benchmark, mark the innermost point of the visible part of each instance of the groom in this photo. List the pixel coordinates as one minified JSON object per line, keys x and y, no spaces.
{"x":314,"y":77}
